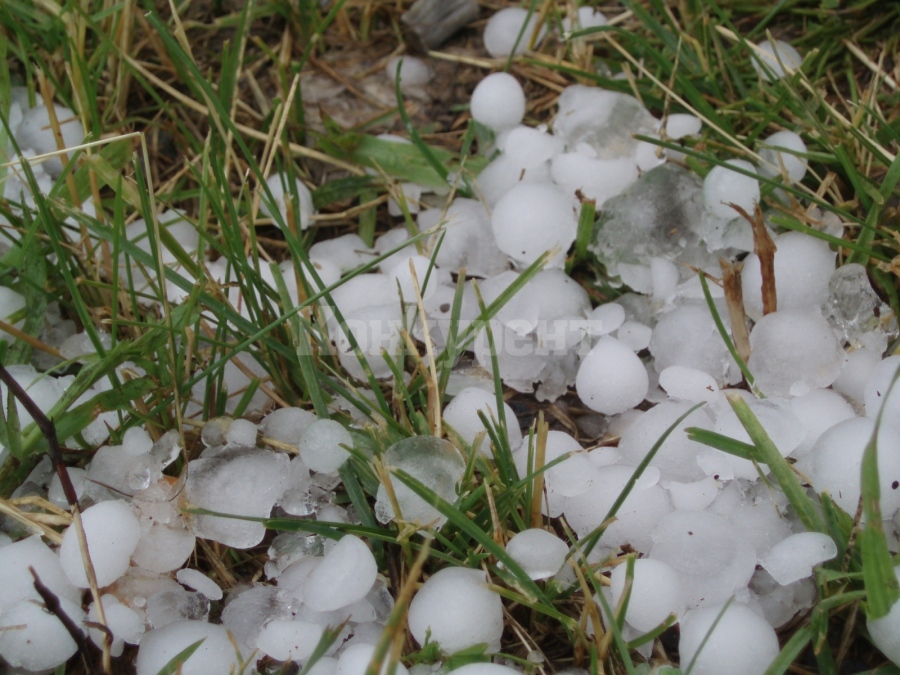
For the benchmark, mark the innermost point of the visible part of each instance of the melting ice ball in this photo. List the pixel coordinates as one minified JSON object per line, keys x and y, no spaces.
{"x":803,"y":268}
{"x":784,"y":150}
{"x":112,"y":531}
{"x":540,"y":553}
{"x":498,"y":102}
{"x":345,"y":576}
{"x":611,"y":378}
{"x":283,"y":193}
{"x":531,"y":219}
{"x":773,"y":57}
{"x":712,"y":560}
{"x":433,"y":462}
{"x":723,"y":186}
{"x":458,"y":609}
{"x":735,"y":640}
{"x":321,"y":446}
{"x":501,"y":34}
{"x":793,"y":351}
{"x":656,"y":592}
{"x":462,"y":414}
{"x":216,"y":654}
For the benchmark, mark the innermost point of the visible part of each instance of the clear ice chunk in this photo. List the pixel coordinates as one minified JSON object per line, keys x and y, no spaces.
{"x":432,"y":461}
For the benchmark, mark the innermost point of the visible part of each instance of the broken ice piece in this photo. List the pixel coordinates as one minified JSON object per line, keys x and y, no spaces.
{"x":794,"y":558}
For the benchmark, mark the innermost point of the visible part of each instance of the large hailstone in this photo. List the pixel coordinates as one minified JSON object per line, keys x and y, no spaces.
{"x":656,"y":592}
{"x":531,"y":219}
{"x":611,"y":378}
{"x":345,"y":576}
{"x":738,"y":641}
{"x":498,"y":102}
{"x":112,"y":532}
{"x":458,"y":609}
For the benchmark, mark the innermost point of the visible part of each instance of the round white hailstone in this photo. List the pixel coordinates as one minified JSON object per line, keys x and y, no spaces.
{"x":501,"y":34}
{"x":414,"y":72}
{"x":694,"y":496}
{"x":502,"y":174}
{"x":611,"y":379}
{"x":531,"y":219}
{"x":635,"y":335}
{"x":740,"y":642}
{"x":345,"y":576}
{"x":320,"y":447}
{"x":645,"y":506}
{"x":679,"y":125}
{"x":35,"y":132}
{"x":458,"y":609}
{"x":347,"y":252}
{"x":803,"y":268}
{"x":530,"y":147}
{"x":388,"y":242}
{"x":287,"y":425}
{"x":216,"y":654}
{"x":712,"y":560}
{"x":498,"y":102}
{"x":241,"y":432}
{"x":885,"y":631}
{"x":112,"y":531}
{"x":355,"y":659}
{"x":722,"y":187}
{"x":772,"y":58}
{"x":605,"y":319}
{"x":16,"y":582}
{"x":34,"y":639}
{"x":793,"y":558}
{"x":818,"y":411}
{"x":856,"y":371}
{"x":486,"y":668}
{"x":462,"y":414}
{"x":402,"y":278}
{"x":655,"y":593}
{"x":688,"y":384}
{"x":793,"y":351}
{"x":836,"y":462}
{"x":881,"y":393}
{"x":284,"y":195}
{"x":199,"y":582}
{"x":784,"y":149}
{"x":125,"y":624}
{"x":136,"y":441}
{"x":10,"y":303}
{"x":540,"y":553}
{"x":687,"y":336}
{"x":285,"y":640}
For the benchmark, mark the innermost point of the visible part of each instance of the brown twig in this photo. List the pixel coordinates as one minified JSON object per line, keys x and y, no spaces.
{"x":764,"y":248}
{"x":734,"y":299}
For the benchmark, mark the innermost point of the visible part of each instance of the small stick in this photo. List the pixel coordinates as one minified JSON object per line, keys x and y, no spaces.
{"x":764,"y":248}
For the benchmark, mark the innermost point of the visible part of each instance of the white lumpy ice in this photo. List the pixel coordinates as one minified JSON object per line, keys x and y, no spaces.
{"x":732,"y":639}
{"x":611,"y":378}
{"x":656,"y":592}
{"x":345,"y":576}
{"x":531,"y":219}
{"x":539,"y":553}
{"x":498,"y":101}
{"x":112,"y":532}
{"x":458,"y":609}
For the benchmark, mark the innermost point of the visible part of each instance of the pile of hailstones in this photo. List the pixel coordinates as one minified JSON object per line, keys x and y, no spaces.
{"x":708,"y":531}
